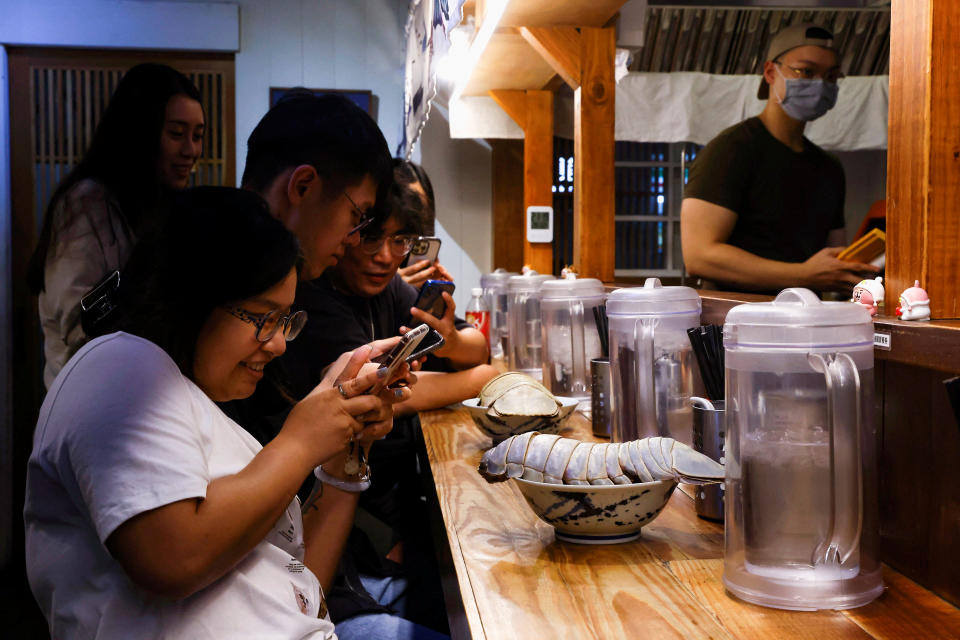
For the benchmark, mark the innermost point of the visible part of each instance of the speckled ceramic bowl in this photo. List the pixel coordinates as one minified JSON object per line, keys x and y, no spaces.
{"x":502,"y":427}
{"x":597,"y":514}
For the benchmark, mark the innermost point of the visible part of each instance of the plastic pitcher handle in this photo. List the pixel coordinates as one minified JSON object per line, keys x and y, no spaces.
{"x":797,"y":295}
{"x":643,"y":331}
{"x":577,"y":349}
{"x":846,"y":472}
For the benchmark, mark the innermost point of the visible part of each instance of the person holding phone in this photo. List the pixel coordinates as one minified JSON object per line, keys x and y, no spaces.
{"x":363,"y":298}
{"x":155,"y":515}
{"x":322,"y":165}
{"x":422,"y":264}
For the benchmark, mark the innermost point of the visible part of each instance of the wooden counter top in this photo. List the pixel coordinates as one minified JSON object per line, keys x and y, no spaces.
{"x":516,"y":581}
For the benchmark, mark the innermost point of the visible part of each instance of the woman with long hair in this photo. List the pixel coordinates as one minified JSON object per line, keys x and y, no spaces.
{"x":149,"y":513}
{"x":146,"y":145}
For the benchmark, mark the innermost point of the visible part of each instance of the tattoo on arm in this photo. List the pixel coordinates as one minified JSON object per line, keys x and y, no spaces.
{"x":311,"y":501}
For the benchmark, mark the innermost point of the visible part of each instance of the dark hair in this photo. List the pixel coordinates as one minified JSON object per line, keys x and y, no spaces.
{"x":329,"y":132}
{"x":123,"y":154}
{"x":409,"y":173}
{"x":403,"y":204}
{"x":218,"y":245}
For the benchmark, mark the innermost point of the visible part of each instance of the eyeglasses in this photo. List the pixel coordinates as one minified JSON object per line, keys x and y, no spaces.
{"x":363,"y":218}
{"x":808,"y":73}
{"x":400,"y":244}
{"x":269,"y":323}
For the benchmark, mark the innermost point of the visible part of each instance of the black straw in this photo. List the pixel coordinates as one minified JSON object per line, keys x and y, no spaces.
{"x":707,"y":343}
{"x":600,"y":316}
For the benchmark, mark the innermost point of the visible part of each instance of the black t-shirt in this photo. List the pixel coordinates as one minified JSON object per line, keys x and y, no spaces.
{"x":786,"y":202}
{"x":338,"y":322}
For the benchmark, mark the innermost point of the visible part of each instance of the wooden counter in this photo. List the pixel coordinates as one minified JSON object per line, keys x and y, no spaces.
{"x":515,"y":581}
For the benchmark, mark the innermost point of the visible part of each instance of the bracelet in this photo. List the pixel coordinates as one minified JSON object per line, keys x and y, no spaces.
{"x":344,"y":485}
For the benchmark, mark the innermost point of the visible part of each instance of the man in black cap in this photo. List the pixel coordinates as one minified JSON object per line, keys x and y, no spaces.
{"x":763,"y":208}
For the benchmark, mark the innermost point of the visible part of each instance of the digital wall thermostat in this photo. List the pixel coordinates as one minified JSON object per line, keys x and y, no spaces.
{"x":539,"y":224}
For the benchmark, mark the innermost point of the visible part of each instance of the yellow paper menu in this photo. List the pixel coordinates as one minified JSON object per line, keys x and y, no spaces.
{"x":866,"y":248}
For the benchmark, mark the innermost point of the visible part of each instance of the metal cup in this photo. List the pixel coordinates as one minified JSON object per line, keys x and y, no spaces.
{"x":600,"y":417}
{"x":708,"y":437}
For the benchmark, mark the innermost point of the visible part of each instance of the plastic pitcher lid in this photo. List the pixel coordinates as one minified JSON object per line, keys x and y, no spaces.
{"x":497,"y":278}
{"x":579,"y":288}
{"x":528,"y":282}
{"x":798,"y":318}
{"x":653,"y":298}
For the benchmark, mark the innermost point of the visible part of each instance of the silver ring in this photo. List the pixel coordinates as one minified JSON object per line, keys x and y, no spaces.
{"x":342,"y":392}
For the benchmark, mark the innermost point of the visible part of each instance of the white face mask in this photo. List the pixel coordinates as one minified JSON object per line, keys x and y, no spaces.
{"x":807,"y":100}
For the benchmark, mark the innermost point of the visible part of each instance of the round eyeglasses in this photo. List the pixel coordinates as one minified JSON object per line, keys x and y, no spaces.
{"x":831,"y":76}
{"x":400,"y":244}
{"x":269,"y":323}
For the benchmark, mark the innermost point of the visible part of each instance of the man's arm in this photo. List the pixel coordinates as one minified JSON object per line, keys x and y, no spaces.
{"x":435,"y":389}
{"x":704,"y":230}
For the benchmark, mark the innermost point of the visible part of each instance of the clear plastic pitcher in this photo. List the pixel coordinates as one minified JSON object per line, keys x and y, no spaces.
{"x":523,"y":319}
{"x":570,"y":338}
{"x":495,"y":292}
{"x":652,"y":362}
{"x":801,"y":457}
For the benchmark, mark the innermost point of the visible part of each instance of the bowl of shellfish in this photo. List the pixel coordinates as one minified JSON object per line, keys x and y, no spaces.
{"x":596,"y":493}
{"x":514,"y":403}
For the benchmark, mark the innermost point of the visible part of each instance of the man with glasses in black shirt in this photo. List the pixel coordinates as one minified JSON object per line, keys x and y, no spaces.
{"x":763,"y":207}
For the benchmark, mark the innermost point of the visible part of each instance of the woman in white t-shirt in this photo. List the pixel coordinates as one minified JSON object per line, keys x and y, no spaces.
{"x":149,"y":513}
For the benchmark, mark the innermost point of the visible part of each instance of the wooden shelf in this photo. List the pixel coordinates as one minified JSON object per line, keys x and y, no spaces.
{"x":502,"y":59}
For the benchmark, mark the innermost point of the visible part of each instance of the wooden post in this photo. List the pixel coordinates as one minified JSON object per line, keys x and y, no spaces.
{"x":584,"y":59}
{"x":923,"y":156}
{"x":533,"y":112}
{"x":593,"y":147}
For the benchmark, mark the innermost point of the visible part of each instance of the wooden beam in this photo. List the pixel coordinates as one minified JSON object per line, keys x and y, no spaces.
{"x":560,"y":47}
{"x":593,"y":180}
{"x":923,"y":156}
{"x":514,"y":103}
{"x":533,"y":111}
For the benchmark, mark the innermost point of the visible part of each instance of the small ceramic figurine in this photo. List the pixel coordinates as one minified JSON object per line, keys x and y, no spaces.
{"x":869,"y":294}
{"x":914,"y":303}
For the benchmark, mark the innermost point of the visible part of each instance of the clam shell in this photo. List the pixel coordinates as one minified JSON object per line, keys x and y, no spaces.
{"x":516,"y":394}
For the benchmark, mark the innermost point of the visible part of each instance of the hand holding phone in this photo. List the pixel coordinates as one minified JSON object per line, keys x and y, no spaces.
{"x":424,"y":248}
{"x":431,"y":299}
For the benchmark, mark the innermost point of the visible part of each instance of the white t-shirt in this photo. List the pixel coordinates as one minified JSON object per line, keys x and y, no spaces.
{"x":121,"y":432}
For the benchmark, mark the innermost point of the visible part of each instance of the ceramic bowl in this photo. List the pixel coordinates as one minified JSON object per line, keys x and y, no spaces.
{"x":597,"y":514}
{"x":502,"y":427}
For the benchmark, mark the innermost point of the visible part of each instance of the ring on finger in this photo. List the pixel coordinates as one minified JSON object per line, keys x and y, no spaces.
{"x":342,"y":391}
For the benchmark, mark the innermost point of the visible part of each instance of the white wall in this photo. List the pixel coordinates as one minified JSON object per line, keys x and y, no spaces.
{"x":460,"y":173}
{"x":348,"y":44}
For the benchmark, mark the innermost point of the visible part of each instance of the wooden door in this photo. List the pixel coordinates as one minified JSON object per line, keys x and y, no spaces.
{"x":56,"y":99}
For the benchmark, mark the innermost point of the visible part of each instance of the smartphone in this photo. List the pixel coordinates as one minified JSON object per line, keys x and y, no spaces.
{"x":424,"y":248}
{"x":98,"y":304}
{"x":399,"y":354}
{"x":430,"y":343}
{"x":431,"y":299}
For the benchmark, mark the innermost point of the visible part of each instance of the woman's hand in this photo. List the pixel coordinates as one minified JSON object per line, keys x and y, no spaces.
{"x":328,"y":419}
